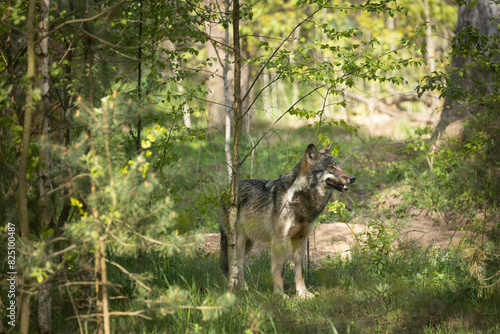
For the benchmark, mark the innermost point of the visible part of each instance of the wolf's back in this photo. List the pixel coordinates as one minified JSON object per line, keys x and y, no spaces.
{"x":256,"y":201}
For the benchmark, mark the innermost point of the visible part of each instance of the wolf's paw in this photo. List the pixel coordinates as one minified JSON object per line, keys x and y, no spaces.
{"x":281,"y":293}
{"x":305,"y":295}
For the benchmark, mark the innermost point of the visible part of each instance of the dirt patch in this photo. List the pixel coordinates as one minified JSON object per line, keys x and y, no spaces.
{"x":337,"y":238}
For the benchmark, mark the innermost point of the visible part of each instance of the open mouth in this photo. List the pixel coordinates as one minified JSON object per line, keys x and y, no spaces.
{"x":336,"y":185}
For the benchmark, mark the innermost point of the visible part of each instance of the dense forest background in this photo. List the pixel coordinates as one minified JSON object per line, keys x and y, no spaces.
{"x":122,"y":122}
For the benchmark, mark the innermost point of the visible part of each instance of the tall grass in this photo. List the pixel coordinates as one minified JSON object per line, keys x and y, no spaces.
{"x":430,"y":292}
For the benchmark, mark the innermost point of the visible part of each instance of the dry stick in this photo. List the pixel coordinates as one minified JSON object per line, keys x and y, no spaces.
{"x":114,"y":313}
{"x":67,"y":184}
{"x":98,"y":285}
{"x":354,"y":234}
{"x":104,"y":287}
{"x":132,"y":276}
{"x":88,"y":19}
{"x":139,"y":313}
{"x":148,"y":238}
{"x":67,"y":249}
{"x":89,"y":283}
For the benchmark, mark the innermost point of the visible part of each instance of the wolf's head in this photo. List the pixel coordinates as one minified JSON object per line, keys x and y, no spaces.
{"x":324,"y":169}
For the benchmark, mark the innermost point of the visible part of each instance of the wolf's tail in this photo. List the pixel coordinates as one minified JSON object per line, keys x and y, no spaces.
{"x":223,"y":252}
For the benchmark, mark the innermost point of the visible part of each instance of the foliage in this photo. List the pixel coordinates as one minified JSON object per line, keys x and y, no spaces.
{"x":379,"y":244}
{"x":130,"y":180}
{"x":465,"y":168}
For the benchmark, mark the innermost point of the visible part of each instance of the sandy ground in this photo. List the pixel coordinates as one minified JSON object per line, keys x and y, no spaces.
{"x":337,"y":238}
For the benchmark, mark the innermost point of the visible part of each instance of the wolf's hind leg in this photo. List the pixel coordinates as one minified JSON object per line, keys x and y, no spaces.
{"x":298,"y":247}
{"x":248,"y":246}
{"x":223,"y":262}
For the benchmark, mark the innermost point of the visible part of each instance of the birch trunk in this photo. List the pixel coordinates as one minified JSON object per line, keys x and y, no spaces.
{"x":227,"y":139}
{"x":233,"y":202}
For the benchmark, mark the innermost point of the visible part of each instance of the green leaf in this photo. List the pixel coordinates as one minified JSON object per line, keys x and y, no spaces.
{"x":37,"y":94}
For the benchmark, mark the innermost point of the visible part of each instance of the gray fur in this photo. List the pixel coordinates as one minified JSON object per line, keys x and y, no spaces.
{"x":283,"y":212}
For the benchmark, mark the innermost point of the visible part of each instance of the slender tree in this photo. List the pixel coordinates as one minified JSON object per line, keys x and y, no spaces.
{"x":238,"y":118}
{"x":46,"y":201}
{"x":23,"y":158}
{"x":225,"y":74}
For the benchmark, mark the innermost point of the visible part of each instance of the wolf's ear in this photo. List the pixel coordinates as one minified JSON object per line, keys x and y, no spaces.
{"x":312,"y":154}
{"x":326,"y":149}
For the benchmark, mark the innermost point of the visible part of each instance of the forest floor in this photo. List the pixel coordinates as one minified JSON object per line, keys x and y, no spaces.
{"x":328,"y":240}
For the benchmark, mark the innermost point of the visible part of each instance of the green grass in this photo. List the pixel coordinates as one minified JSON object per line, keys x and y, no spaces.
{"x":431,"y":292}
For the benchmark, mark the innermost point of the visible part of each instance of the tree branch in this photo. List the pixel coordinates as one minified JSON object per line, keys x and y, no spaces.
{"x":279,"y":118}
{"x":87,"y":19}
{"x":274,"y":53}
{"x":132,"y":276}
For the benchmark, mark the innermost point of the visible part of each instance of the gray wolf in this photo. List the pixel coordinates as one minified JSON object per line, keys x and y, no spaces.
{"x":283,"y":212}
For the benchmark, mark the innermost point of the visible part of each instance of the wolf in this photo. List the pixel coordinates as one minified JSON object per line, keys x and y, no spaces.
{"x":282,"y":212}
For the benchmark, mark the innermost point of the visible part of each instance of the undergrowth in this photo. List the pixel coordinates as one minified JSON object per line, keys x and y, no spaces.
{"x":426,"y":290}
{"x":387,"y":284}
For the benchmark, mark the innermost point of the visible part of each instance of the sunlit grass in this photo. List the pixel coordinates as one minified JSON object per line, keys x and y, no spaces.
{"x":432,"y":293}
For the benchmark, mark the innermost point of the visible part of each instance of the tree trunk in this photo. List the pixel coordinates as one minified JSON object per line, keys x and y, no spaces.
{"x":429,"y":41}
{"x":98,"y":286}
{"x":215,"y":86}
{"x":23,"y":159}
{"x":233,"y":202}
{"x":44,"y":181}
{"x":225,"y":64}
{"x":478,"y":17}
{"x":28,"y":117}
{"x":104,"y":286}
{"x":186,"y":116}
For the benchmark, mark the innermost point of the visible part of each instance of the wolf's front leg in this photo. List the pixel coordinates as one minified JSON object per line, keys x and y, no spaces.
{"x":277,"y":265}
{"x":298,"y":247}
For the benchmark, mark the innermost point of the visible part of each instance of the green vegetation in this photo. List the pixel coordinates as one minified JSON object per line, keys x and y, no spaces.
{"x":115,"y":147}
{"x":420,"y":290}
